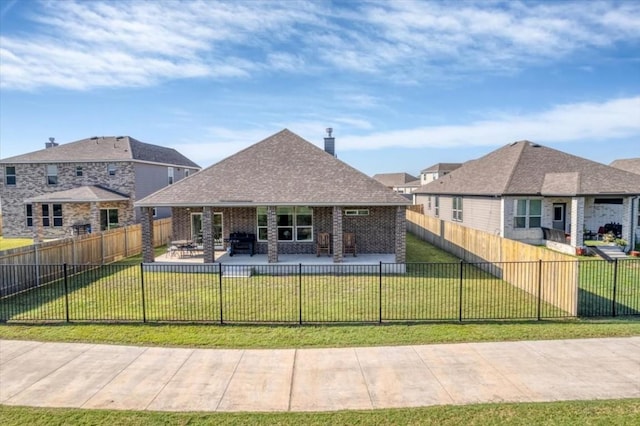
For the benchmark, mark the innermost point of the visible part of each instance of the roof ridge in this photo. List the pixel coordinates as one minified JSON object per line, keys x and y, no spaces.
{"x":521,"y":145}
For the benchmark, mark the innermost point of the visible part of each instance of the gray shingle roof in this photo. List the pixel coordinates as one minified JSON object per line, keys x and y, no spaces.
{"x":527,"y":168}
{"x":82,"y":194}
{"x":394,"y":179}
{"x":282,"y":169}
{"x":442,"y":167}
{"x":629,"y":164}
{"x":105,"y":148}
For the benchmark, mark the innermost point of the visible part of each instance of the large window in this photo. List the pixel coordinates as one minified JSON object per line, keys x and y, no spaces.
{"x":108,"y":219}
{"x":457,"y":209}
{"x":10,"y":175}
{"x":52,"y":174}
{"x":528,"y":214}
{"x":293,"y":223}
{"x":51,"y":215}
{"x":170,"y":175}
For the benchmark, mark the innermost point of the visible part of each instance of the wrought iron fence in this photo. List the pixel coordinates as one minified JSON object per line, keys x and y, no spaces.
{"x":299,"y":294}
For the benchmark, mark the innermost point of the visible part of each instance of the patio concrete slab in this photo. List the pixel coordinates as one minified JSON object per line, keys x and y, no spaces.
{"x":320,"y":378}
{"x":166,"y":379}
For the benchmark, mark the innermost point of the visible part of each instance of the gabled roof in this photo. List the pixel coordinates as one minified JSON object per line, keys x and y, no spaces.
{"x":527,"y":168}
{"x":81,"y":194}
{"x":283,"y":169}
{"x":442,"y":167}
{"x":103,"y":149}
{"x":629,"y":164}
{"x":394,"y":179}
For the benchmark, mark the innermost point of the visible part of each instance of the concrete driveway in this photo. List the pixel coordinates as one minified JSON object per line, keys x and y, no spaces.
{"x":173,"y":379}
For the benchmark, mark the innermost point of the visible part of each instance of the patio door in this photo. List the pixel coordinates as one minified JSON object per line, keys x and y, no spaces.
{"x":196,"y":230}
{"x":559,"y":216}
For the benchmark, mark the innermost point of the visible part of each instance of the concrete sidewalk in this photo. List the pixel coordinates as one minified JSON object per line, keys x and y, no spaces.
{"x":165,"y":379}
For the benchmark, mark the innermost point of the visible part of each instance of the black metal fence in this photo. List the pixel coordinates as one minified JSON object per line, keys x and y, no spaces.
{"x":300,"y":294}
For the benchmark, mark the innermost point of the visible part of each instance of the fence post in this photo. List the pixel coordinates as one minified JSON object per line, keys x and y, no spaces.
{"x":461,"y":282}
{"x":615,"y":284}
{"x":539,"y":288}
{"x":144,"y":308}
{"x":220,"y":290}
{"x":380,"y":294}
{"x":300,"y":293}
{"x":66,"y":293}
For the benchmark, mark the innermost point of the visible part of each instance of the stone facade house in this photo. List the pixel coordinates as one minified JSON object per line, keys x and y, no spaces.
{"x":523,"y":189}
{"x":402,"y":183}
{"x":285,"y":191}
{"x":84,"y":186}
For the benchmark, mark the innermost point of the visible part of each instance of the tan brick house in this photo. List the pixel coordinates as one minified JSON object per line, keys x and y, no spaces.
{"x":285,"y":191}
{"x":83,"y":186}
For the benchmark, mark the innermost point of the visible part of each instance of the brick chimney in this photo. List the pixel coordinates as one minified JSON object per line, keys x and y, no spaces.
{"x":330,"y":142}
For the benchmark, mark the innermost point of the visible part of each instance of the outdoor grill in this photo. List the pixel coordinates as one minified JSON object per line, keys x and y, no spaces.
{"x":241,"y":241}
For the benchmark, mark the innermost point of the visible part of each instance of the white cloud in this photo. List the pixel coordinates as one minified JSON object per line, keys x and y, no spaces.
{"x":82,"y":45}
{"x":617,"y":118}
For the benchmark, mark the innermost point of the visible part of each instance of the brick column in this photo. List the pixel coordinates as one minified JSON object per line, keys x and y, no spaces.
{"x":337,"y":234}
{"x":272,"y":234}
{"x":577,"y":221}
{"x":38,"y":229}
{"x":628,"y":216}
{"x":95,"y":217}
{"x":147,"y":234}
{"x":207,"y":235}
{"x":401,"y":234}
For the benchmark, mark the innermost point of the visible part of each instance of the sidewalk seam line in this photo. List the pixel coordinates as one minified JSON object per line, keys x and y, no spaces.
{"x":169,"y":380}
{"x":293,"y":373}
{"x":435,"y":376}
{"x":233,"y":373}
{"x":364,"y":378}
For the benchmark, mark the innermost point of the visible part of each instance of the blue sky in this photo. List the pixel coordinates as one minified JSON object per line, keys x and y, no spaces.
{"x":404,"y":84}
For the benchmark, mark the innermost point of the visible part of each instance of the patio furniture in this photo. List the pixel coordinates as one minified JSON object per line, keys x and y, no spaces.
{"x":324,"y":243}
{"x":349,"y":243}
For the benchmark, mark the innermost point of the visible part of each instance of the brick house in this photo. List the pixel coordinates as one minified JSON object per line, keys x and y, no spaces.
{"x":83,"y":186}
{"x":523,"y":189}
{"x":285,"y":190}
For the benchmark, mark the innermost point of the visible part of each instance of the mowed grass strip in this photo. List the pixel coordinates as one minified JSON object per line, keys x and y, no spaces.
{"x":613,"y":412}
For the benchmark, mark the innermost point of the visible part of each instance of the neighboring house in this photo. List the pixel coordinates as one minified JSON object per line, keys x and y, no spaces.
{"x":517,"y":190}
{"x":437,"y":171}
{"x":402,"y":183}
{"x":84,"y":186}
{"x":285,"y":191}
{"x":629,"y":164}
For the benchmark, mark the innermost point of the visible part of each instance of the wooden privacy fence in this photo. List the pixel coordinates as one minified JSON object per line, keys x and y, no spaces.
{"x":557,"y":284}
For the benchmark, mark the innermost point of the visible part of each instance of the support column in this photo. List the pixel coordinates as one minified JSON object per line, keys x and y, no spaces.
{"x":577,"y":221}
{"x":401,"y":234}
{"x":207,"y":235}
{"x":147,"y":234}
{"x":628,"y":216}
{"x":272,"y":234}
{"x":337,"y":234}
{"x":95,"y":217}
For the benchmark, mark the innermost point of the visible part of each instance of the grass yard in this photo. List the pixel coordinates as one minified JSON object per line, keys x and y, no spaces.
{"x":578,"y":413}
{"x":596,"y":287}
{"x":9,"y":243}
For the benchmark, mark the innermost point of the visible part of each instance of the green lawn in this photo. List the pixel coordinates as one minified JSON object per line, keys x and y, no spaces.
{"x":578,"y":413}
{"x":596,"y":287}
{"x":9,"y":243}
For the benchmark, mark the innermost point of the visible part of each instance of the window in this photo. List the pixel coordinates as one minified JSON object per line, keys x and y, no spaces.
{"x":108,"y":219}
{"x":457,"y":209}
{"x":111,"y":169}
{"x":437,"y":205}
{"x":429,"y":203}
{"x":608,"y":201}
{"x":51,"y":215}
{"x":78,"y":171}
{"x":356,"y":212}
{"x":154,"y":212}
{"x":186,"y":172}
{"x":293,"y":223}
{"x":52,"y":174}
{"x":10,"y":175}
{"x":528,"y":214}
{"x":29,"y":214}
{"x":170,"y":175}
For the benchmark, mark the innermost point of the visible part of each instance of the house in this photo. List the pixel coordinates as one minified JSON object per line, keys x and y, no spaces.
{"x":83,"y":186}
{"x":284,"y":191}
{"x":402,"y":183}
{"x":437,"y":171}
{"x":523,"y":187}
{"x":629,"y":164}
